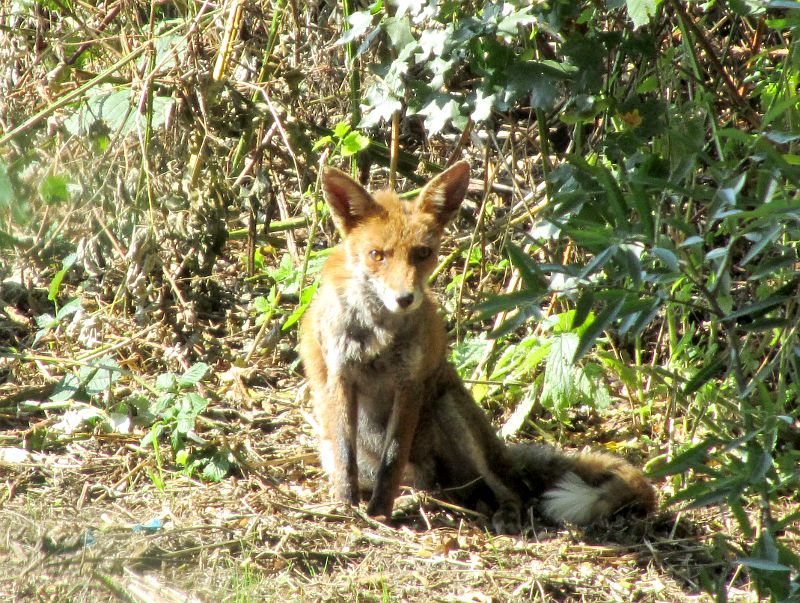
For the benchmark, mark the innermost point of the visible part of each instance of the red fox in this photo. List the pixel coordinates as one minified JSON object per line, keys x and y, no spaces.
{"x":390,"y":407}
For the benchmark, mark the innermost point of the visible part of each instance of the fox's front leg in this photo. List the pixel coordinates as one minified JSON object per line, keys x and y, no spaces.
{"x":396,"y":449}
{"x":343,"y":404}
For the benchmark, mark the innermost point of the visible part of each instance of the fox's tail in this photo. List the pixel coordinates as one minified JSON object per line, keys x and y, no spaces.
{"x":581,"y":488}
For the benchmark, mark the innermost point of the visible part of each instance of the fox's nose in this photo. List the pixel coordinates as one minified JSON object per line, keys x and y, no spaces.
{"x":404,"y":301}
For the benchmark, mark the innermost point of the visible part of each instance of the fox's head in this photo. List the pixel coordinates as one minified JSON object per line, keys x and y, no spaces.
{"x":393,"y":244}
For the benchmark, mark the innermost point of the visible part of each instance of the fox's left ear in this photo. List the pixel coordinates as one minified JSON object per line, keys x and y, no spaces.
{"x":443,"y":195}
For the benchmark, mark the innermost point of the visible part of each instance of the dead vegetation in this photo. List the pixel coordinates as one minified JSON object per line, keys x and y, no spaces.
{"x":189,"y":202}
{"x":85,"y":522}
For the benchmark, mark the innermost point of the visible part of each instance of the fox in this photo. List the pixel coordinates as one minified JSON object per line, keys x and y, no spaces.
{"x":391,"y":410}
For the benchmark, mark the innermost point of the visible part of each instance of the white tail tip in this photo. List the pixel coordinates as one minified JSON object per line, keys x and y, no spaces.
{"x":573,"y":500}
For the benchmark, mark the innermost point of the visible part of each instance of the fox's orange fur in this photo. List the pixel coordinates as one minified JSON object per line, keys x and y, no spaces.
{"x":391,"y":408}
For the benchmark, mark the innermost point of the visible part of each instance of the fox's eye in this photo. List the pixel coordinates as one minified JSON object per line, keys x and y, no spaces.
{"x":422,"y":253}
{"x":376,"y":255}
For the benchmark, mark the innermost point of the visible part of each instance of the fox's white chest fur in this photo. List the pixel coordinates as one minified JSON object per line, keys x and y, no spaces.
{"x":360,"y":334}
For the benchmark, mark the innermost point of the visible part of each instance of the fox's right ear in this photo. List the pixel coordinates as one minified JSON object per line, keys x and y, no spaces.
{"x":349,"y":201}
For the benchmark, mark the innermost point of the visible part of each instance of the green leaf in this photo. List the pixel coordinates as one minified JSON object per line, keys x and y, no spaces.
{"x":398,"y":30}
{"x":358,"y":22}
{"x":704,"y":375}
{"x":764,"y":239}
{"x":692,"y":241}
{"x":529,"y":79}
{"x":765,"y":324}
{"x":166,"y":382}
{"x":46,"y":321}
{"x":615,"y":197}
{"x":341,"y":130}
{"x":582,"y":309}
{"x":510,"y":25}
{"x":666,"y":256}
{"x":763,"y":564}
{"x":756,"y":308}
{"x":598,"y":261}
{"x":502,"y":303}
{"x":216,"y":468}
{"x":485,"y":101}
{"x":529,"y":270}
{"x":439,"y":111}
{"x":197,"y":403}
{"x":645,"y":317}
{"x":164,"y":406}
{"x":55,"y":284}
{"x":7,"y":241}
{"x":305,"y":300}
{"x":593,"y":331}
{"x":66,"y":388}
{"x":559,"y":383}
{"x":717,"y":253}
{"x":106,"y":374}
{"x":522,"y":316}
{"x":325,"y":140}
{"x":6,"y":190}
{"x":641,"y":11}
{"x":68,"y":309}
{"x":193,"y":375}
{"x":53,"y":190}
{"x":521,"y":413}
{"x":262,"y":305}
{"x":353,"y":143}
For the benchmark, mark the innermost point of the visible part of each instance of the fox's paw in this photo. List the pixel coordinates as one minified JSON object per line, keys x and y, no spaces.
{"x":379,"y":505}
{"x":347,"y":493}
{"x":507,"y":520}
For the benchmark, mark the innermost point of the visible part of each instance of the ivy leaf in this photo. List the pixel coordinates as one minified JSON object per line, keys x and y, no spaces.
{"x":431,"y":42}
{"x":536,"y":79}
{"x":439,"y":111}
{"x":483,"y":105}
{"x":509,"y":26}
{"x":359,"y":23}
{"x":380,"y":104}
{"x":439,"y":68}
{"x":413,"y":7}
{"x":399,"y":31}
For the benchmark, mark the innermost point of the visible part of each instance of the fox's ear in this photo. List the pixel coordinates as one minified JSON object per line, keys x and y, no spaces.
{"x":443,"y":195}
{"x":348,"y":200}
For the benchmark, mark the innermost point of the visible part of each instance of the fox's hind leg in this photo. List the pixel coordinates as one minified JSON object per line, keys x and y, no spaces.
{"x":471,"y":462}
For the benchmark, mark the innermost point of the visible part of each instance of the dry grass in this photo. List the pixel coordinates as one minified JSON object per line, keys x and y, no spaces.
{"x":85,"y":521}
{"x":74,"y":531}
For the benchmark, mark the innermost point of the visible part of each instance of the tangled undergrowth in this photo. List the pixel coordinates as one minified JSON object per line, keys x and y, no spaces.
{"x":623,"y":276}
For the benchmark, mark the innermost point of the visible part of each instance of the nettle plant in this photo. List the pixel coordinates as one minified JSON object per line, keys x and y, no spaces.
{"x":176,"y":412}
